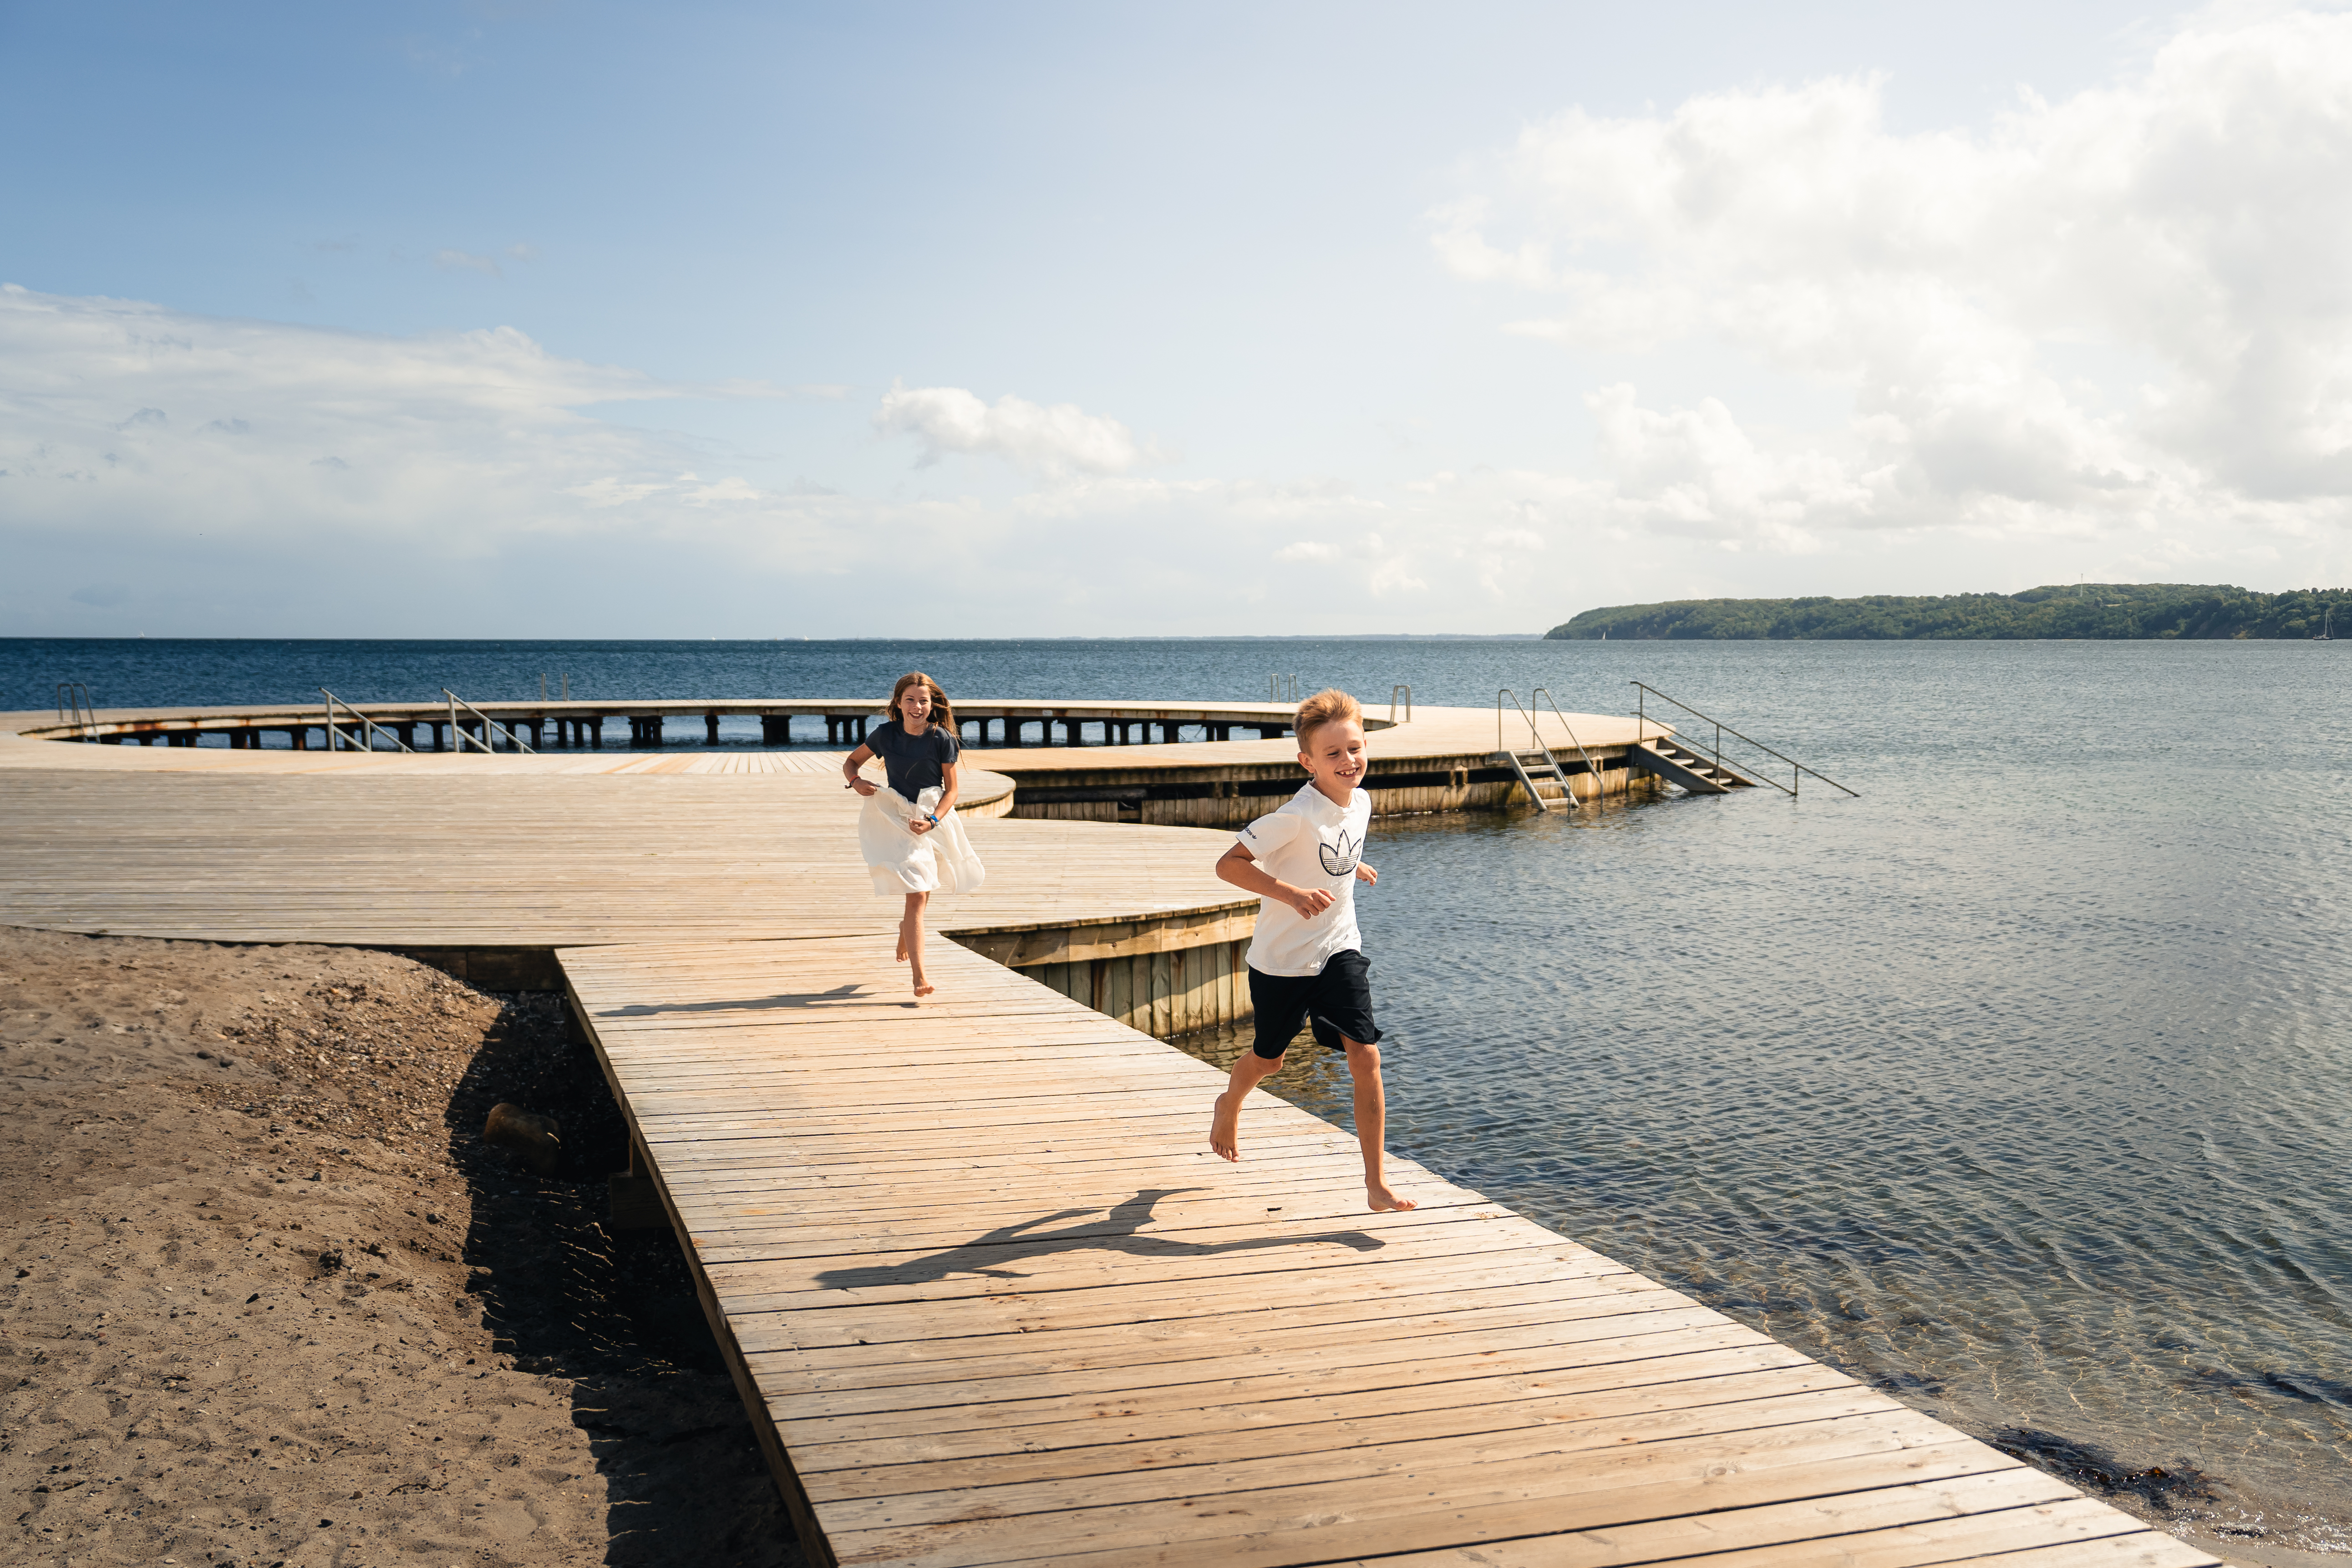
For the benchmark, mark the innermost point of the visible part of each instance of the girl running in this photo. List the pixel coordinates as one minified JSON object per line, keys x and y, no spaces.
{"x":909,"y":831}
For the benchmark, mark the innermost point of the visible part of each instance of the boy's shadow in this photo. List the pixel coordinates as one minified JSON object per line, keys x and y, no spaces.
{"x":839,"y":994}
{"x":1116,"y":1232}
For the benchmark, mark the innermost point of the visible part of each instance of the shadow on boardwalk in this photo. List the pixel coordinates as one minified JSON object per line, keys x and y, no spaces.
{"x":988,"y":1253}
{"x":838,"y":994}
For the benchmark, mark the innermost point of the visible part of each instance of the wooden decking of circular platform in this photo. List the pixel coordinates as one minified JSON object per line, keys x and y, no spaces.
{"x":559,"y":849}
{"x":487,"y":863}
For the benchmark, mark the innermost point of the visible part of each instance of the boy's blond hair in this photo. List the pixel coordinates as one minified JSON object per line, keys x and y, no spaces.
{"x":1328,"y":706}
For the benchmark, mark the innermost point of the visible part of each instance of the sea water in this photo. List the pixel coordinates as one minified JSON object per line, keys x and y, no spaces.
{"x":2018,"y":1086}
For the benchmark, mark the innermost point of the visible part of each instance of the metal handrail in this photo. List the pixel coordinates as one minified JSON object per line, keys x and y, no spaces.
{"x":369,"y":728}
{"x":1533,"y":735}
{"x":1722,"y":729}
{"x":1275,"y":684}
{"x":461,"y":740}
{"x":1408,"y":702}
{"x":1499,"y":694}
{"x":1590,"y":766}
{"x":74,"y":708}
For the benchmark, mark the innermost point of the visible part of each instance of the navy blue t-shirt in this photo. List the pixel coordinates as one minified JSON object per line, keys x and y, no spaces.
{"x":913,"y":762}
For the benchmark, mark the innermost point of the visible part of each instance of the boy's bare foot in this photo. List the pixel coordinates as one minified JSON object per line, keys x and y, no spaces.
{"x":1384,"y":1200}
{"x":1225,"y":1127}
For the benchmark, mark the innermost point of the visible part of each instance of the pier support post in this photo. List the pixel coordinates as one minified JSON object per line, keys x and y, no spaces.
{"x":775,"y":729}
{"x":538,"y":734}
{"x":595,"y":728}
{"x":710,"y":729}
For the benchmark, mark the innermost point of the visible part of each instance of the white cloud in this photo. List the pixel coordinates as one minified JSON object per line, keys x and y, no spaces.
{"x":2129,"y":311}
{"x":165,"y":471}
{"x":122,"y":414}
{"x":1307,"y":549}
{"x":1050,"y":442}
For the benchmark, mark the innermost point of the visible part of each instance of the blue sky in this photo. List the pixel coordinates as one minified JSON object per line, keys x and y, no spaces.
{"x":562,"y":319}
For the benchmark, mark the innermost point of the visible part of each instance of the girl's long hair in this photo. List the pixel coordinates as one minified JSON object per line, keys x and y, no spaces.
{"x":942,"y":711}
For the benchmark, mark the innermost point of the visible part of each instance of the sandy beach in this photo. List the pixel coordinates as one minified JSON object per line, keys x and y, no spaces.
{"x":270,"y":1301}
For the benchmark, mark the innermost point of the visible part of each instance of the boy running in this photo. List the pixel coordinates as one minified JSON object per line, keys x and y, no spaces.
{"x":1306,"y":963}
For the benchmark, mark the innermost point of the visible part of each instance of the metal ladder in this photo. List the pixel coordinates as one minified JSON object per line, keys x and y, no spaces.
{"x":74,"y":708}
{"x":1537,"y":769}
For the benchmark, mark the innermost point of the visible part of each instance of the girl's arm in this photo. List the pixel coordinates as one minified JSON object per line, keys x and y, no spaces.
{"x":851,"y":764}
{"x":947,"y":799}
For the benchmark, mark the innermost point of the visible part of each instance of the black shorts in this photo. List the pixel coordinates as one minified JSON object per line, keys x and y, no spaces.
{"x":1337,"y":1002}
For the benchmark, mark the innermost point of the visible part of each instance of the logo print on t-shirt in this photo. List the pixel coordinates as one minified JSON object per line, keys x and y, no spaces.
{"x":1339,"y":860}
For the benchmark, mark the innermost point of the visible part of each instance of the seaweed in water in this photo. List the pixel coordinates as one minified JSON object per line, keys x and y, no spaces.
{"x":1908,"y":1385}
{"x":2306,"y":1386}
{"x":2100,"y":1472}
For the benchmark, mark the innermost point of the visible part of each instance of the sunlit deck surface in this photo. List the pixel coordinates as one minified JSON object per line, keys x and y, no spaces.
{"x":989,"y":1298}
{"x":999,"y":1304}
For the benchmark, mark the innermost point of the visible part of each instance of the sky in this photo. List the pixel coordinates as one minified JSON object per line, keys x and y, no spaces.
{"x":542,"y":319}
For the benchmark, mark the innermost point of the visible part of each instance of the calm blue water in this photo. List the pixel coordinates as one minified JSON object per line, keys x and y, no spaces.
{"x":2019,"y":1086}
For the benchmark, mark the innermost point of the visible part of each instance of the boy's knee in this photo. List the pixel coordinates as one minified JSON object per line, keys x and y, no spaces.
{"x":1361,"y":1054}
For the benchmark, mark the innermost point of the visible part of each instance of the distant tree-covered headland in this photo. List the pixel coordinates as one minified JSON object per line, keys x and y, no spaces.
{"x":2074,"y":610}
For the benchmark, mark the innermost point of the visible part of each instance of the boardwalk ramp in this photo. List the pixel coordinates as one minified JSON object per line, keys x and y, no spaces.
{"x":990,"y":1300}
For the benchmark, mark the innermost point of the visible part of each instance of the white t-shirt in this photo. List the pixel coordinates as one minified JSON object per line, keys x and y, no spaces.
{"x":1308,"y":843}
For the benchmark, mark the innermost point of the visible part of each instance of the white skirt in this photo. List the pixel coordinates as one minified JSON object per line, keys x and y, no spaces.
{"x":903,"y":861}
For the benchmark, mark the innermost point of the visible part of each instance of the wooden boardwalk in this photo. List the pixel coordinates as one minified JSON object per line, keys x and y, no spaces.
{"x":999,"y":1305}
{"x":989,"y":1299}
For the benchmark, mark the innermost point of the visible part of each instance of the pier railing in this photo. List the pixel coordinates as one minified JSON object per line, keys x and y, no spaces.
{"x":369,"y":728}
{"x":460,"y":739}
{"x":1797,"y":769}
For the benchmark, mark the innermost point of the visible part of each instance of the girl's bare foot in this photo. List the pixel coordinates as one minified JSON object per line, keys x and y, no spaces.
{"x":1384,"y":1200}
{"x":1225,"y":1127}
{"x":922,"y":987}
{"x":902,"y":946}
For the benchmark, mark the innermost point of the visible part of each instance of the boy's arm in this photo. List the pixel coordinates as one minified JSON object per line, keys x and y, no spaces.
{"x":1366,"y":875}
{"x":1240,"y":867}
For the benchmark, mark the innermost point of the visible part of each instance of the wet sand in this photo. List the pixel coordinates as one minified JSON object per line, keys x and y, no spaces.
{"x":269,"y":1301}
